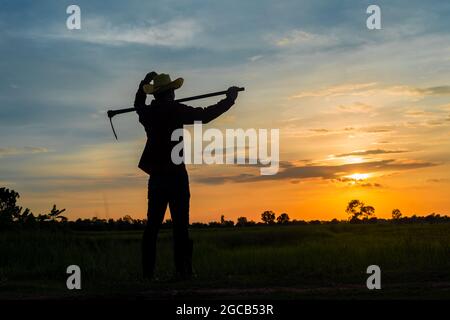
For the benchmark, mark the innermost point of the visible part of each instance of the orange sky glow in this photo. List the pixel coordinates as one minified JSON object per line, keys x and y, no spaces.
{"x":361,"y":114}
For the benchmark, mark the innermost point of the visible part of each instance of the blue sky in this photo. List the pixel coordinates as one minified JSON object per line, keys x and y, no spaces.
{"x":56,"y":84}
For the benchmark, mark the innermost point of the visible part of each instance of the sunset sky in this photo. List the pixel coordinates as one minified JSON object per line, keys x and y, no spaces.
{"x":363,"y":114}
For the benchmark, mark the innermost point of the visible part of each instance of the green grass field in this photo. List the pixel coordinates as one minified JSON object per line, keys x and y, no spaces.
{"x":310,"y":261}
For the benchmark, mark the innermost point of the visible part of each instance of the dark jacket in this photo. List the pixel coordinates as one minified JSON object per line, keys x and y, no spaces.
{"x":160,"y":119}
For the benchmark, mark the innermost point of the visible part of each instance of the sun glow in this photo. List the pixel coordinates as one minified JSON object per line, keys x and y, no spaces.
{"x":359,"y":176}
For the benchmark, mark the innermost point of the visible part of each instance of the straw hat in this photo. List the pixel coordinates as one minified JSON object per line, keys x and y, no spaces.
{"x":161,"y":83}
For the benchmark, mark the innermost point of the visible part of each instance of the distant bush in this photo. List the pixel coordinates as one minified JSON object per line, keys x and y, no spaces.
{"x":268,"y":217}
{"x":283,"y":218}
{"x":241,"y":222}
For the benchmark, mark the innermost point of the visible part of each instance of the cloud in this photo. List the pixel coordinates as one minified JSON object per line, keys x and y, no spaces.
{"x":372,"y":89}
{"x":357,"y":107}
{"x":440,"y":90}
{"x":291,"y":171}
{"x":297,"y":38}
{"x":320,"y":130}
{"x":359,"y":183}
{"x":336,"y":90}
{"x":255,"y":58}
{"x":368,"y":152}
{"x":371,"y":185}
{"x":294,"y":37}
{"x":11,"y":151}
{"x":73,"y":183}
{"x":174,"y":33}
{"x":437,"y":180}
{"x":416,"y":113}
{"x":377,"y":129}
{"x":433,"y":123}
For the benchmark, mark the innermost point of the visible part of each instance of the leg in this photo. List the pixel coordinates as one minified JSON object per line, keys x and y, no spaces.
{"x":179,"y":210}
{"x":157,"y":204}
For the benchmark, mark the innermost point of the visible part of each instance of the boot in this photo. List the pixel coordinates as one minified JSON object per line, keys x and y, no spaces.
{"x":188,"y":260}
{"x":183,"y":262}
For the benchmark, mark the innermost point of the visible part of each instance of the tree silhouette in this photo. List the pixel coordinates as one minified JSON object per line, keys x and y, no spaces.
{"x":225,"y":223}
{"x":13,"y":216}
{"x":367,"y":211}
{"x":9,"y":211}
{"x":268,"y":217}
{"x":352,"y":208}
{"x":283,"y":218}
{"x":55,"y":214}
{"x":396,"y":214}
{"x":241,"y":222}
{"x":357,"y":209}
{"x":27,"y":217}
{"x":127,"y":219}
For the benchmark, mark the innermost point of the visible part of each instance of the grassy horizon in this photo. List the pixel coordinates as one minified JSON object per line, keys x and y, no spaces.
{"x":288,"y":261}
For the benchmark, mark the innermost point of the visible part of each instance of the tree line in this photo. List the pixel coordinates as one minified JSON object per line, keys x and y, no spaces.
{"x":13,"y":216}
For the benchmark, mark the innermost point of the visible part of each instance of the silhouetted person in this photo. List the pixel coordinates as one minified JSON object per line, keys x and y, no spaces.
{"x":169,"y":182}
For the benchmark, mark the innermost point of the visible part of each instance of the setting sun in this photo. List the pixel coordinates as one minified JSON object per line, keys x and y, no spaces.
{"x":359,"y":176}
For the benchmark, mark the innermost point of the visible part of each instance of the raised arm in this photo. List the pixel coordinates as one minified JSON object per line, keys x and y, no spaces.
{"x":205,"y":115}
{"x":139,"y":100}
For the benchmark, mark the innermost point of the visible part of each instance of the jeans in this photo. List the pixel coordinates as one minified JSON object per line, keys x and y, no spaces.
{"x":168,"y":188}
